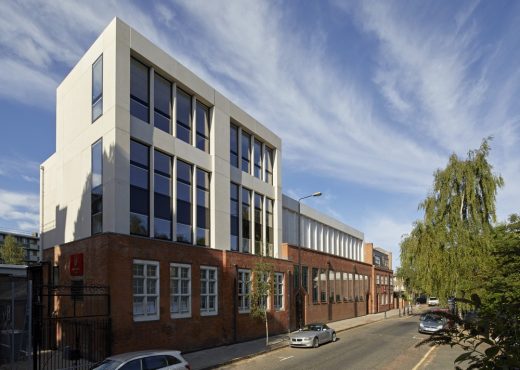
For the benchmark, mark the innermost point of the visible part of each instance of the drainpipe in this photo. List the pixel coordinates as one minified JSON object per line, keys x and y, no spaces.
{"x":42,"y":193}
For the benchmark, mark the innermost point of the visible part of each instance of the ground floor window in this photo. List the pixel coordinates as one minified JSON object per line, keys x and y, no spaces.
{"x":180,"y":290}
{"x":244,"y":288}
{"x":278,"y":291}
{"x":145,"y":290}
{"x":208,"y":290}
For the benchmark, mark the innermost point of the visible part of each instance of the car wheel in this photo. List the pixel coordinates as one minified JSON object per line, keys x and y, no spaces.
{"x":315,"y":343}
{"x":334,"y":337}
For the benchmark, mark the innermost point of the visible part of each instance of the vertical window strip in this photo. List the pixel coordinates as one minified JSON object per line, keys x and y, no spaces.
{"x":202,"y":127}
{"x":203,"y":216}
{"x":139,"y":186}
{"x":269,"y":227}
{"x":97,"y":88}
{"x":246,"y":152}
{"x":234,"y":216}
{"x":258,"y":225}
{"x":162,"y":103}
{"x":184,"y":116}
{"x":162,"y":196}
{"x":268,"y":177}
{"x":96,"y":195}
{"x":180,"y":290}
{"x":246,"y":220}
{"x":184,"y":202}
{"x":233,"y":145}
{"x":258,"y":159}
{"x":139,"y":90}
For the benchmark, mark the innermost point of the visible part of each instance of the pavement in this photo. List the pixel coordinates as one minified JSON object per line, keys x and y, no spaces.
{"x":219,"y":356}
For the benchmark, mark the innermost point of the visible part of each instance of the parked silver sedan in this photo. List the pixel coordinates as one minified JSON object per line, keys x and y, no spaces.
{"x":154,"y":359}
{"x":312,"y":335}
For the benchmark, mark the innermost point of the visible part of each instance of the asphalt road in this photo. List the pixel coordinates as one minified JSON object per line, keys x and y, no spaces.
{"x":388,"y":344}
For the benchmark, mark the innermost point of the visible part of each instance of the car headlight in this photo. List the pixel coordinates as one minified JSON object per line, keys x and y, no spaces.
{"x":421,"y":325}
{"x":307,"y":338}
{"x":439,"y":327}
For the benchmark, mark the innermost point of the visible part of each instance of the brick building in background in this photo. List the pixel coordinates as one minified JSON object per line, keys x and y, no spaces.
{"x":382,"y":298}
{"x":167,"y":193}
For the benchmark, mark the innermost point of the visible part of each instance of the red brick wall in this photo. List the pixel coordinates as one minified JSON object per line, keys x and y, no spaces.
{"x":108,"y":260}
{"x":326,"y":312}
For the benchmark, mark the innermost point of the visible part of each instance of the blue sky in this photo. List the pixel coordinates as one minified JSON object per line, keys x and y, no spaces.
{"x":369,"y":97}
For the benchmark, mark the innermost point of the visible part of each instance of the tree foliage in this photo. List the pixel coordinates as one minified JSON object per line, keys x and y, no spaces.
{"x":262,"y":288}
{"x":491,"y":337}
{"x":445,"y":252}
{"x":12,"y":252}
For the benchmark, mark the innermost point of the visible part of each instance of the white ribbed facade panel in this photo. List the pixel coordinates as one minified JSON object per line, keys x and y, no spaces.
{"x":319,"y":232}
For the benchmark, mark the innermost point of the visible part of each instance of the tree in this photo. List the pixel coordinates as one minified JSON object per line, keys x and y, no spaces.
{"x":262,"y":287}
{"x":491,"y":339}
{"x":446,"y":251}
{"x":12,"y":252}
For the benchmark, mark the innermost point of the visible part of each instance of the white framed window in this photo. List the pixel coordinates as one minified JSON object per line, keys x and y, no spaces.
{"x":208,"y":291}
{"x":145,"y":281}
{"x":263,"y":301}
{"x":278,"y":291}
{"x":180,"y":290}
{"x":244,"y":289}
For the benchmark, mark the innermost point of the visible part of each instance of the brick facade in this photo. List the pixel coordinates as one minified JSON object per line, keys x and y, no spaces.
{"x":108,"y":260}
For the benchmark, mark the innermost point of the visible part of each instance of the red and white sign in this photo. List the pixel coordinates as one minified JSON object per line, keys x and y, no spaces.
{"x":76,"y":264}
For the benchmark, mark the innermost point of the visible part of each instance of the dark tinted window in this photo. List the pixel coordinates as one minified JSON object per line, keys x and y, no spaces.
{"x":139,"y":90}
{"x":202,"y":208}
{"x":246,"y":151}
{"x":184,"y":202}
{"x":162,"y":195}
{"x":233,"y":145}
{"x":183,"y":116}
{"x":172,"y":360}
{"x":202,"y":127}
{"x":154,"y":362}
{"x":234,"y":216}
{"x":258,"y":159}
{"x":139,"y":188}
{"x":162,"y":103}
{"x":132,"y":365}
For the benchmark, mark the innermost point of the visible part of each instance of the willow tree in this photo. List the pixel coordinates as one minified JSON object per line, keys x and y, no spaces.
{"x":445,"y":252}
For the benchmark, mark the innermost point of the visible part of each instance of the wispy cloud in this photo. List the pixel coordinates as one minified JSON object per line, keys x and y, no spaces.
{"x":15,"y":167}
{"x":20,"y":209}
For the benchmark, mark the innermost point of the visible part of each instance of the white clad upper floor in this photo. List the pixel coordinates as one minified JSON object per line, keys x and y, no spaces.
{"x":145,"y":147}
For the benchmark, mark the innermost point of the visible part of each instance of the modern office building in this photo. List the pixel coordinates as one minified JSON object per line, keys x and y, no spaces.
{"x":167,"y":193}
{"x":29,"y":242}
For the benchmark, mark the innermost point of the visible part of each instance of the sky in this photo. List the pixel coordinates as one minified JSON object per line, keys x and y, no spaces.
{"x":369,"y":97}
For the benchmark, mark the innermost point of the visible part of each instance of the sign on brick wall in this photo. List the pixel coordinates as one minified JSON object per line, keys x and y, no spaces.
{"x":76,"y":264}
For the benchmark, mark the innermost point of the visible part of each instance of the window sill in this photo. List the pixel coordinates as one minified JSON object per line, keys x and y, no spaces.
{"x":146,"y":318}
{"x":209,"y":313}
{"x":180,"y":316}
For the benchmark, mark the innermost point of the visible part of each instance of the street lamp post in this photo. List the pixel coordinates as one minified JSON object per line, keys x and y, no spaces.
{"x":299,"y":298}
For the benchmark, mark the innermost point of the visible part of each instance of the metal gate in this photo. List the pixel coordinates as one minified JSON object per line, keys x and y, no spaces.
{"x":71,"y":326}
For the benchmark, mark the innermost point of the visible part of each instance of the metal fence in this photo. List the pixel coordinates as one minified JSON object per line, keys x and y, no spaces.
{"x":15,"y":322}
{"x":72,"y":326}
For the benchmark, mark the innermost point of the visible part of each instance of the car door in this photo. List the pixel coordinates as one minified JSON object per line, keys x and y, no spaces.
{"x":323,"y":334}
{"x":328,"y":332}
{"x":155,"y":362}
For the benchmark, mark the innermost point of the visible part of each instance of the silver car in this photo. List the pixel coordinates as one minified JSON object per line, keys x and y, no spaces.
{"x":312,"y":335}
{"x":144,"y":360}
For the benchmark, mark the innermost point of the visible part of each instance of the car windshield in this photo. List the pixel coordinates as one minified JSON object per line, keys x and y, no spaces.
{"x":106,"y":365}
{"x":433,"y":298}
{"x":430,"y":317}
{"x":312,"y":328}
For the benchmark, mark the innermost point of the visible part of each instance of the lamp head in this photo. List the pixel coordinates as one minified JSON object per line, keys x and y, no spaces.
{"x":317,"y":194}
